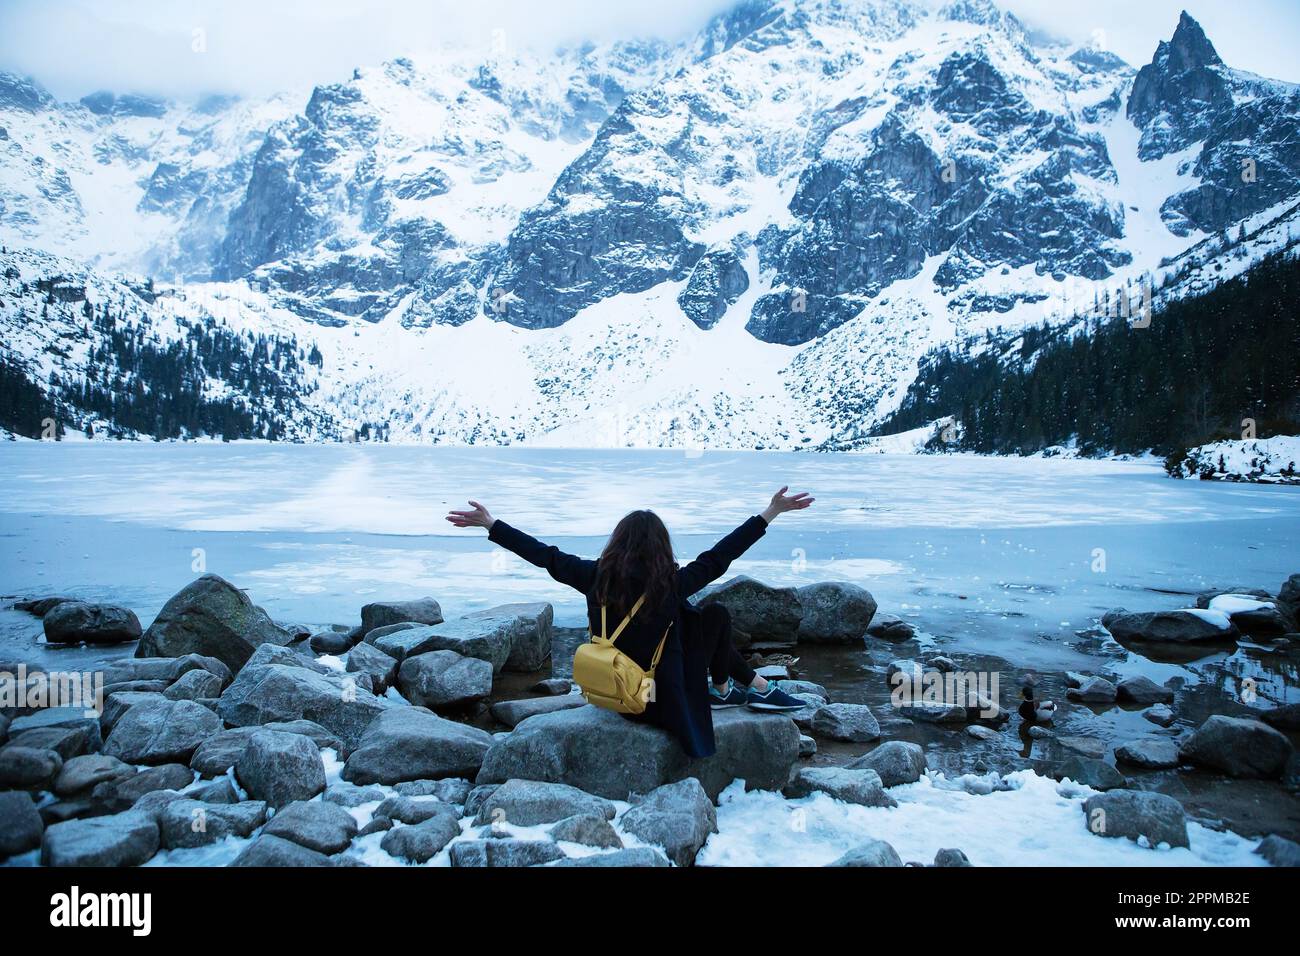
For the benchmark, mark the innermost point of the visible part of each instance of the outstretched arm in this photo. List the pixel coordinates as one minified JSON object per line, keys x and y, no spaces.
{"x":713,"y":564}
{"x":577,"y":573}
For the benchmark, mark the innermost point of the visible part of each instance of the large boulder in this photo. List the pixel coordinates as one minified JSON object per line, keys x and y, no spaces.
{"x":28,"y":768}
{"x":1186,"y":626}
{"x":317,"y":825}
{"x":1137,"y":814}
{"x":167,"y":669}
{"x":278,"y":686}
{"x":412,"y":743}
{"x":444,"y":679}
{"x":854,"y":723}
{"x":161,"y":731}
{"x":1288,"y":598}
{"x":1093,"y":690}
{"x":835,"y":612}
{"x":504,"y":852}
{"x":1150,"y":753}
{"x":527,"y":803}
{"x":73,"y":622}
{"x":759,"y":612}
{"x":677,"y":816}
{"x":280,"y":768}
{"x":897,"y":762}
{"x":861,"y":786}
{"x":20,"y":824}
{"x":1143,"y":690}
{"x":1253,"y":615}
{"x":82,"y":774}
{"x":871,"y":853}
{"x":270,"y":850}
{"x":368,"y":659}
{"x":385,"y":613}
{"x":513,"y":712}
{"x":533,"y":627}
{"x":193,"y":823}
{"x":423,"y":841}
{"x":214,"y":618}
{"x":125,"y":792}
{"x":122,"y":839}
{"x":603,"y":753}
{"x":1238,"y":746}
{"x":487,"y":638}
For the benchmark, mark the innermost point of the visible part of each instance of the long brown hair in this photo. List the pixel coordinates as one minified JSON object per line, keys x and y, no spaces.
{"x":638,"y":556}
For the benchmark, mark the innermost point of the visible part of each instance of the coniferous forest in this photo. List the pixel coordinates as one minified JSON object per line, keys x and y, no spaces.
{"x":1206,"y":368}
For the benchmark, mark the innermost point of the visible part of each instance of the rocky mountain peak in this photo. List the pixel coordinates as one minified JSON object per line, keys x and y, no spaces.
{"x":1183,"y":84}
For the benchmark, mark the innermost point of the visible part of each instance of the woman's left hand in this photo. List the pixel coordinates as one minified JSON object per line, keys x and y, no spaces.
{"x":478,"y":518}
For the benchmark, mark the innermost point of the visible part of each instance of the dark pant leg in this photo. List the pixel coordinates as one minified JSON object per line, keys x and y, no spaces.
{"x":724,"y":660}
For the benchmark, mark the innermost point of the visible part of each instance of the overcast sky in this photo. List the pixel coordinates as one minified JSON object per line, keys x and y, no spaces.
{"x":184,"y":47}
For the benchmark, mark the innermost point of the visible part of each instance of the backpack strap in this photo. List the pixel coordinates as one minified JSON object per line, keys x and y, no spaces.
{"x":627,"y":619}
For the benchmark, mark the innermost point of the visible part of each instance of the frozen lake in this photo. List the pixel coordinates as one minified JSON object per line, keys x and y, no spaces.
{"x":1013,"y":557}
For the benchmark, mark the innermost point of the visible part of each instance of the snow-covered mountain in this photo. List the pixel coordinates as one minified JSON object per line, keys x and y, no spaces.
{"x":748,"y":238}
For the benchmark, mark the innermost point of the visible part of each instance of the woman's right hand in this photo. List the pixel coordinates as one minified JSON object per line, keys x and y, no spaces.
{"x":781,"y":503}
{"x":478,"y":518}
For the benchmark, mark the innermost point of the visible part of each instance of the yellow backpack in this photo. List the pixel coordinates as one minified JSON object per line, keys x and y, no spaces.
{"x":608,"y":677}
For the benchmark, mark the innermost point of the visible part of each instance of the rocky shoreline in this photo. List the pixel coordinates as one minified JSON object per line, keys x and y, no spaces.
{"x":389,"y":741}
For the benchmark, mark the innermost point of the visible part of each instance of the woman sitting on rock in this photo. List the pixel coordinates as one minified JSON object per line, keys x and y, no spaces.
{"x":638,"y":560}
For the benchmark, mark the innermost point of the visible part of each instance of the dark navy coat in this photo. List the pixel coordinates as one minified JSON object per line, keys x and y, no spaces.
{"x":681,"y":703}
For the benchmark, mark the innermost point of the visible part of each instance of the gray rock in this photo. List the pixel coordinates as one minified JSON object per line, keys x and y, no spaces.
{"x":448,"y":790}
{"x":122,"y":839}
{"x":1174,"y":627}
{"x":193,"y":823}
{"x":368,"y":659}
{"x":555,"y":686}
{"x":762,"y":613}
{"x":951,"y":857}
{"x":81,"y":774}
{"x":1143,"y":690}
{"x":411,"y":743}
{"x":1094,"y":690}
{"x":72,"y":622}
{"x":28,"y":768}
{"x":1160,"y":714}
{"x":860,"y":786}
{"x":350,"y":795}
{"x":193,"y":685}
{"x":330,"y":642}
{"x":1093,"y":747}
{"x":67,"y":742}
{"x":117,"y":704}
{"x":487,"y":639}
{"x":280,"y":768}
{"x":835,"y":613}
{"x":1089,"y":771}
{"x":55,"y":717}
{"x":270,"y":850}
{"x":1279,"y":851}
{"x":602,"y":753}
{"x":410,"y":810}
{"x":400,"y":641}
{"x":153,"y":803}
{"x":1134,"y":814}
{"x":1285,"y":717}
{"x":40,"y":606}
{"x":386,"y":613}
{"x":676,"y":816}
{"x":219,"y":752}
{"x":124,"y":792}
{"x":589,"y":829}
{"x":273,"y":688}
{"x":980,"y":732}
{"x":896,"y":761}
{"x":1238,"y":747}
{"x":1152,"y":753}
{"x":795,"y":686}
{"x":527,"y":803}
{"x":324,"y":827}
{"x":888,"y":627}
{"x":635,"y":856}
{"x":166,"y":731}
{"x":167,"y":669}
{"x":423,"y":841}
{"x":532,"y":631}
{"x":807,"y":746}
{"x":213,"y":618}
{"x":218,"y":791}
{"x":21,"y":826}
{"x":933,"y":712}
{"x":871,"y":853}
{"x":849,"y":722}
{"x":322,"y":738}
{"x":512,"y":712}
{"x":444,"y":679}
{"x":504,"y":852}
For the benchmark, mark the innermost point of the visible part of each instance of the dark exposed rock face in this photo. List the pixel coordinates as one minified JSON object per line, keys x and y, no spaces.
{"x":1238,"y":747}
{"x":73,"y":622}
{"x":717,"y":280}
{"x":210,"y":617}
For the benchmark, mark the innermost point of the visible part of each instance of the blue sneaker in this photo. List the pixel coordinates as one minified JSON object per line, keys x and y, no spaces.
{"x":734,"y":696}
{"x":774,"y":698}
